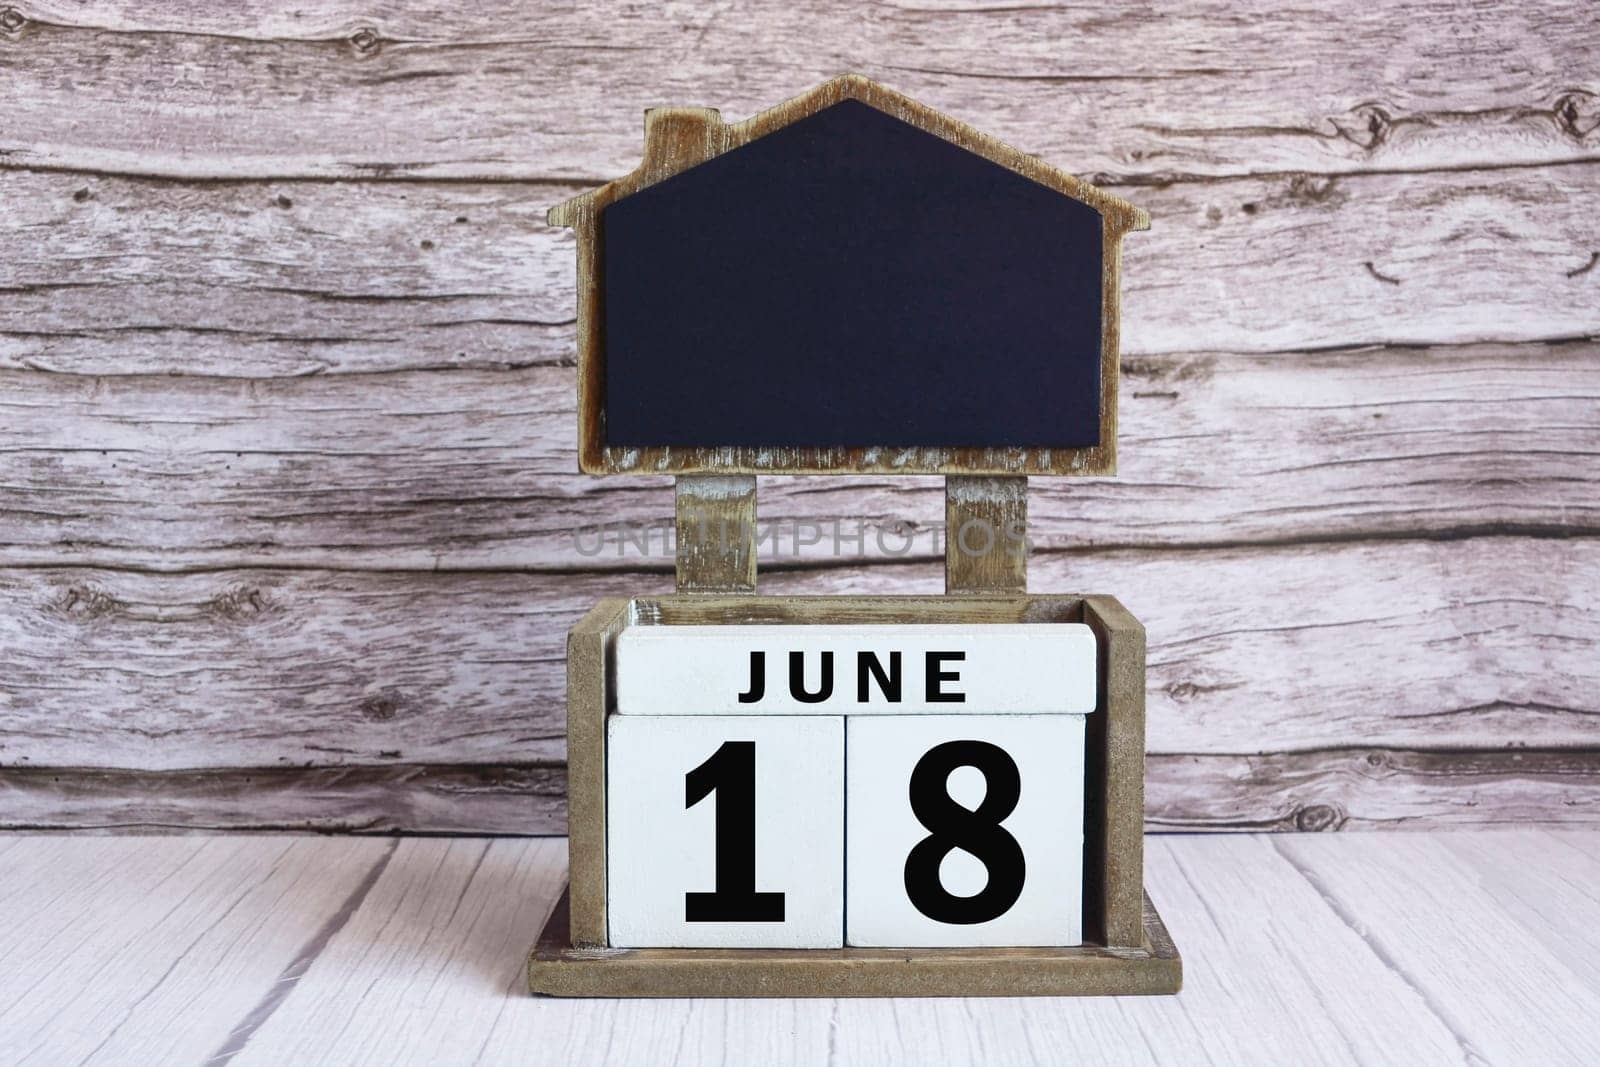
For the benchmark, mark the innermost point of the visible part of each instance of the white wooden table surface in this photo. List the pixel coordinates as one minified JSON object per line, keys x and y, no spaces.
{"x":1342,"y":948}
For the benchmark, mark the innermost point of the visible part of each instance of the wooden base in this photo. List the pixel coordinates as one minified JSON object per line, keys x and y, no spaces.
{"x":559,"y":970}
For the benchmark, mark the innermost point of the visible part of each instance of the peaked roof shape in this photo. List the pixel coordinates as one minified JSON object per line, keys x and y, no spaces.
{"x":679,"y":138}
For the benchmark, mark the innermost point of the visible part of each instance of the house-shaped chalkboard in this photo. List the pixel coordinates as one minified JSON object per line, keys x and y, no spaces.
{"x":849,"y":282}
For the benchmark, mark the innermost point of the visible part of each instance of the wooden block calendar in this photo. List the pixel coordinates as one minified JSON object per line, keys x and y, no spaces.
{"x":851,"y":795}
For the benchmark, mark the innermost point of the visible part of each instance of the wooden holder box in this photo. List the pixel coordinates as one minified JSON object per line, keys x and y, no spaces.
{"x":1126,"y":948}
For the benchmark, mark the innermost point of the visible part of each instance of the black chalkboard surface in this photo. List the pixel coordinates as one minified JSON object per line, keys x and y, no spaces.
{"x":850,"y":281}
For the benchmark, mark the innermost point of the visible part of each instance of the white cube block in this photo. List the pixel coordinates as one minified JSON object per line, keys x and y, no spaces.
{"x":859,"y":669}
{"x":965,"y":830}
{"x":725,"y":831}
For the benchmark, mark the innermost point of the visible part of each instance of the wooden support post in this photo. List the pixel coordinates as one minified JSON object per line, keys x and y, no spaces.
{"x":716,"y":528}
{"x":1114,"y":779}
{"x":985,"y":526}
{"x":589,"y":697}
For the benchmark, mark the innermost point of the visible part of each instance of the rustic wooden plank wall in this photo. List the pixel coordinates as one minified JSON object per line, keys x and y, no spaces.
{"x":287,"y":425}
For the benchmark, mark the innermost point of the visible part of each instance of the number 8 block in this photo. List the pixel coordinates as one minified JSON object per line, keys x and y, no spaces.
{"x":964,"y":830}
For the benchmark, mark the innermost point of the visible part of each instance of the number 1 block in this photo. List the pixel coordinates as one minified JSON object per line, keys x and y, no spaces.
{"x":965,"y":830}
{"x":725,"y":831}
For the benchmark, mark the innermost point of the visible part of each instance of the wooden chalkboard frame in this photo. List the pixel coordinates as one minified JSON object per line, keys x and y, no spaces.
{"x":677,"y":139}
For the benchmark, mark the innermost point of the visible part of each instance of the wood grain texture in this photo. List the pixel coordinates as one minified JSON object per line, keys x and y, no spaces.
{"x":443,"y":933}
{"x":560,"y":969}
{"x":715,"y":525}
{"x":153,"y":949}
{"x":261,"y":279}
{"x":475,"y":469}
{"x":1247,"y":913}
{"x":494,"y":798}
{"x":1537,"y":879}
{"x":1114,"y":777}
{"x":247,"y":411}
{"x":985,"y":534}
{"x":1390,"y":897}
{"x":1315,"y":790}
{"x":1310,"y":950}
{"x":1362,"y":788}
{"x":589,"y":699}
{"x":1409,"y":643}
{"x":384,"y":89}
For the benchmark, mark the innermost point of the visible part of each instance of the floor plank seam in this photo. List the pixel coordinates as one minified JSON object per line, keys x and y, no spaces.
{"x":133,"y":1008}
{"x":241,"y":1034}
{"x":1469,"y":1052}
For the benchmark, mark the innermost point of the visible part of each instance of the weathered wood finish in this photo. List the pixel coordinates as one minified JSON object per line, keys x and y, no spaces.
{"x":186,"y":942}
{"x":1126,"y":948}
{"x":1113,"y":839}
{"x":981,"y":515}
{"x":362,"y":89}
{"x":1151,"y":968}
{"x":1114,"y":750}
{"x":678,"y":138}
{"x":470,"y":469}
{"x":499,"y":797}
{"x":285,"y":504}
{"x":259,"y":951}
{"x":305,"y":277}
{"x":588,"y":701}
{"x":1317,"y":790}
{"x":1303,"y":652}
{"x":716,"y":533}
{"x":1317,"y":645}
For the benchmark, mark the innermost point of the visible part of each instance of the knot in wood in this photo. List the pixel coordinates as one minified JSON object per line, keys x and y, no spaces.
{"x":366,"y":40}
{"x":380,"y":707}
{"x":1368,"y":127}
{"x":1309,"y":189}
{"x":1576,"y":114}
{"x":1314,"y":818}
{"x":85,"y":602}
{"x":12,"y":20}
{"x":1181,"y":691}
{"x":241,"y":602}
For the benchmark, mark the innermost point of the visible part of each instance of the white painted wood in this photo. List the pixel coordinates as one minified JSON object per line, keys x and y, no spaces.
{"x":1272,"y":974}
{"x":1508,"y":997}
{"x":659,"y":850}
{"x":430,"y":969}
{"x":153,"y":949}
{"x":855,"y":669}
{"x":426,"y":967}
{"x":1541,"y":881}
{"x":1045,"y":824}
{"x":403,"y":90}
